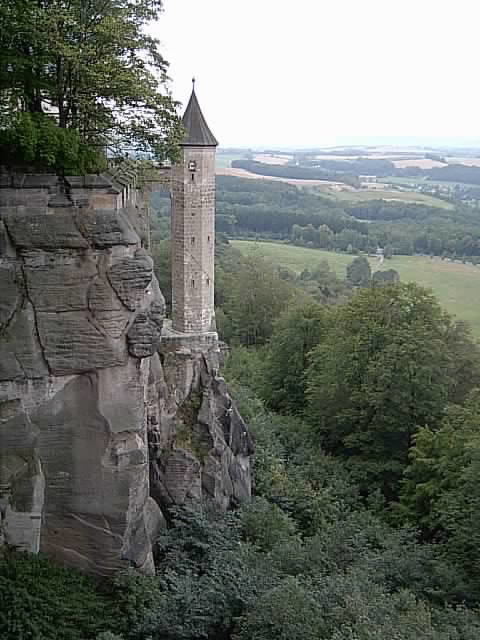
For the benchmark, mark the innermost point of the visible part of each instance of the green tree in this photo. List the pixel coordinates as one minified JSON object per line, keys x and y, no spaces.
{"x":323,"y":285}
{"x":40,"y":601}
{"x":441,"y":491}
{"x":89,"y":67}
{"x":359,"y":272}
{"x":254,"y":297}
{"x":380,"y":278}
{"x":464,"y":361}
{"x":381,"y":372}
{"x":295,"y":334}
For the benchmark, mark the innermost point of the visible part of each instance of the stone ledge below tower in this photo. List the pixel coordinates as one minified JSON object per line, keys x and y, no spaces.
{"x":194,"y":341}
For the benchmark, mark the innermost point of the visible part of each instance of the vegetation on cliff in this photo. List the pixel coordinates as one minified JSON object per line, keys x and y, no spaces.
{"x":77,"y":78}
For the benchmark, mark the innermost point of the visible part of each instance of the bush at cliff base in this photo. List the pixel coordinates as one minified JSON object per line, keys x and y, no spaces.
{"x":39,"y":601}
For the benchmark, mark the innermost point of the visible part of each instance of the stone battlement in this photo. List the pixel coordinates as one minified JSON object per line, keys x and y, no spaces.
{"x":109,"y":209}
{"x":111,"y":191}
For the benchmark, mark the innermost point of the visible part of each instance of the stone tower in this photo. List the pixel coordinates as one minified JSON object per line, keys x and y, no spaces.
{"x":193,"y":226}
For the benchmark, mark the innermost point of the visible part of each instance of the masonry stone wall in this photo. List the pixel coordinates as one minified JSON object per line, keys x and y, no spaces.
{"x":193,"y":235}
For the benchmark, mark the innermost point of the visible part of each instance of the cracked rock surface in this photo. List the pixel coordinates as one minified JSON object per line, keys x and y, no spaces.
{"x":105,"y":420}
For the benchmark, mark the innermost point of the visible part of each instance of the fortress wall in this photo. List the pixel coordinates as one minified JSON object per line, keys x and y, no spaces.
{"x":107,"y":417}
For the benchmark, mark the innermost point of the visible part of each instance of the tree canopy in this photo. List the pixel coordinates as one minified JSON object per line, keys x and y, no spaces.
{"x":382,"y":371}
{"x":359,"y":272}
{"x":89,"y":68}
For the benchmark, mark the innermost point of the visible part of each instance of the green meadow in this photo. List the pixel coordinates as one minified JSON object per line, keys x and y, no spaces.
{"x":457,"y":286}
{"x":380,"y":194}
{"x":224,"y":160}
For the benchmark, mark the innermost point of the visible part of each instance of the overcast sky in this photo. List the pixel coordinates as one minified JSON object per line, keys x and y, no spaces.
{"x":303,"y":73}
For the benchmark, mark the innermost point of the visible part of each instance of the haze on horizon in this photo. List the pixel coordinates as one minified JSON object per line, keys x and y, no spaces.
{"x":311,"y":73}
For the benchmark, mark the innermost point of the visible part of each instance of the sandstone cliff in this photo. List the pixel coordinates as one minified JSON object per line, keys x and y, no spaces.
{"x":107,"y":416}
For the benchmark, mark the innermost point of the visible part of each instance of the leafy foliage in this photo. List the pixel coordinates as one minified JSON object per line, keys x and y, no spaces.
{"x":441,"y":486}
{"x":295,"y":334}
{"x":380,"y":278}
{"x":95,"y":68}
{"x":44,"y":602}
{"x":381,"y":372}
{"x":359,"y":272}
{"x":254,"y":295}
{"x":35,"y":141}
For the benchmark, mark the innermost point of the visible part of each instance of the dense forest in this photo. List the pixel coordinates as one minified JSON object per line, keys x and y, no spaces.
{"x":253,"y":208}
{"x":363,"y":401}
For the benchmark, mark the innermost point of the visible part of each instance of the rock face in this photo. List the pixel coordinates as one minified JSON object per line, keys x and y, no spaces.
{"x":107,"y":417}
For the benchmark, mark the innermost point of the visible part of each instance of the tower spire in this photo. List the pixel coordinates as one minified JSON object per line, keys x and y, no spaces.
{"x":198,"y":133}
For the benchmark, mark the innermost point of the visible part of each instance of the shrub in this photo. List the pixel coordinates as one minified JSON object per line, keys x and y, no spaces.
{"x":40,"y":601}
{"x":35,"y":142}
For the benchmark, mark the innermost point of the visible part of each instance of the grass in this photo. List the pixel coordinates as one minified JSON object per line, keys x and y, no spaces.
{"x":375,"y":194}
{"x":457,"y":286}
{"x":429,"y":183}
{"x":224,"y":160}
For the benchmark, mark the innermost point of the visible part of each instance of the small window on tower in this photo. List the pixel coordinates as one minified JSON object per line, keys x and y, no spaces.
{"x":193,"y":239}
{"x":208,"y":238}
{"x":193,"y":283}
{"x":208,"y":281}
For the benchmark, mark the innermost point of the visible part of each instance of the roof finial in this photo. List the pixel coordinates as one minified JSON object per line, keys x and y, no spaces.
{"x":193,"y":83}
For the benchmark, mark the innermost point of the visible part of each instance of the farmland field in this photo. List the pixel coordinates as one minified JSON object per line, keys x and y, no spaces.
{"x":272,"y":159}
{"x":380,"y":194}
{"x":336,"y":190}
{"x":457,"y":286}
{"x":425,"y":182}
{"x":224,"y":160}
{"x":243,"y":173}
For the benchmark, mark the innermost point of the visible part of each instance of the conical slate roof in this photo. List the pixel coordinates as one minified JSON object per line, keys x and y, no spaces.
{"x":197,"y":132}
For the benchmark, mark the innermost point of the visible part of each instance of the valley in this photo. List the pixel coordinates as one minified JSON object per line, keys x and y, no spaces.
{"x":457,"y":286}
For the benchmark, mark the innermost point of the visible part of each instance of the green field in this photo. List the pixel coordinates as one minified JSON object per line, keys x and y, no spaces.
{"x":430,"y":183}
{"x":457,"y":286}
{"x":224,"y":160}
{"x":376,"y":194}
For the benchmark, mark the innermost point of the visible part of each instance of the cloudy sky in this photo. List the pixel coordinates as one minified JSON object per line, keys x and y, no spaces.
{"x":323,"y":72}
